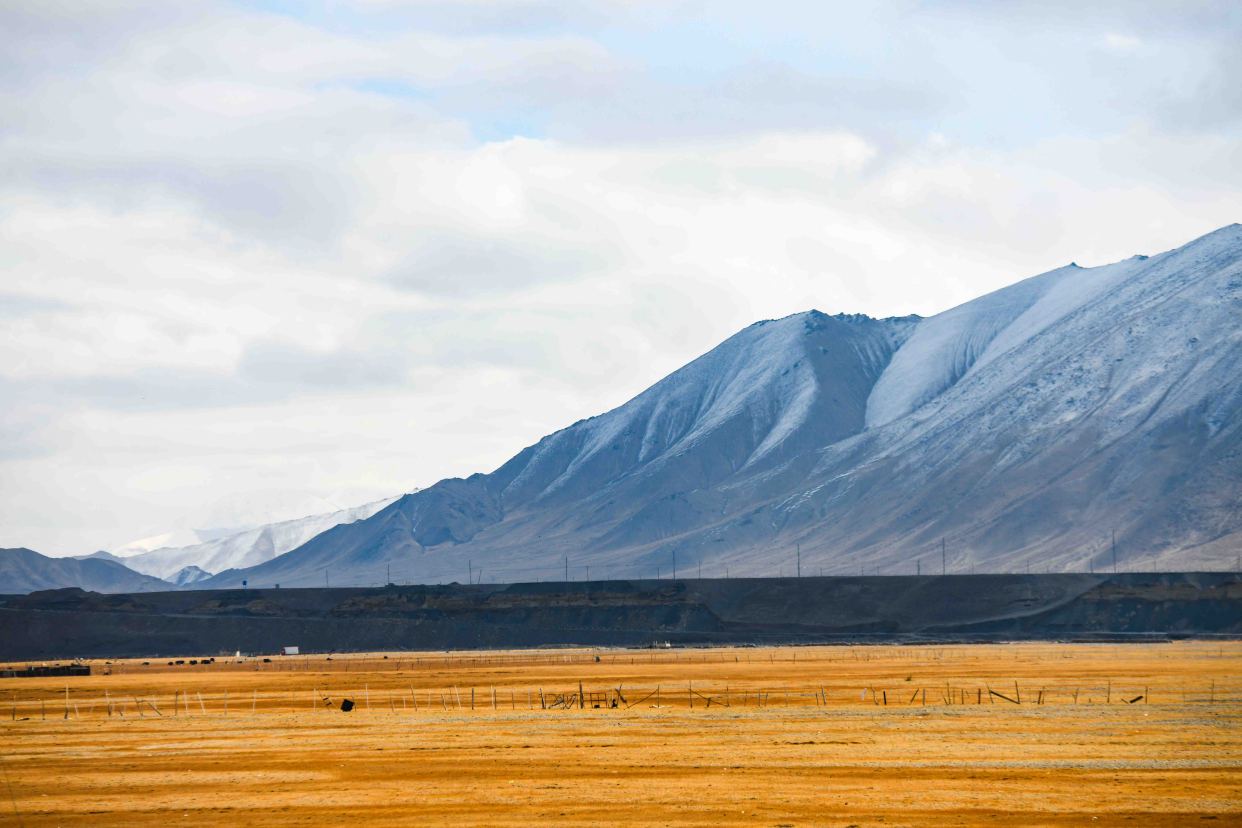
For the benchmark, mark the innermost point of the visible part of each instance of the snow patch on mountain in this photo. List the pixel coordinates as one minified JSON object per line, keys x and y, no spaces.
{"x":952,"y":344}
{"x":188,"y":575}
{"x":175,"y":539}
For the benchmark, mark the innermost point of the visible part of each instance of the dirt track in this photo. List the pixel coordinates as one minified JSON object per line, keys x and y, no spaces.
{"x":792,"y":736}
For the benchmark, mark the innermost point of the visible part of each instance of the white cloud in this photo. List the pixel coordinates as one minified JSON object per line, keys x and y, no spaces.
{"x":1117,"y":42}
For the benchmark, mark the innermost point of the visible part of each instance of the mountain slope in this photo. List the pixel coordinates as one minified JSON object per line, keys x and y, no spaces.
{"x":1119,"y":411}
{"x":757,"y":405}
{"x":24,"y":570}
{"x":241,"y":549}
{"x":1021,"y":429}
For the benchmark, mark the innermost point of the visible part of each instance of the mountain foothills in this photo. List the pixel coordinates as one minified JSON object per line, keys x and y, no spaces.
{"x":1078,"y":417}
{"x":1081,"y":419}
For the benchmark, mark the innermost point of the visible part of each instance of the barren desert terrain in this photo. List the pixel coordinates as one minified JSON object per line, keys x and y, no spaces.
{"x":874,"y":735}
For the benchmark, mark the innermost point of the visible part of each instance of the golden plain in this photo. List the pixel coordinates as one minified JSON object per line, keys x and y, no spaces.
{"x":996,"y":734}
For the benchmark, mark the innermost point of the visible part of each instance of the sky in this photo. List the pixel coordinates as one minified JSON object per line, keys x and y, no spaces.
{"x":266,"y":259}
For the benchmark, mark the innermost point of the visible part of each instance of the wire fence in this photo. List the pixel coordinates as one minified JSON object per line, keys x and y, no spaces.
{"x":686,"y":695}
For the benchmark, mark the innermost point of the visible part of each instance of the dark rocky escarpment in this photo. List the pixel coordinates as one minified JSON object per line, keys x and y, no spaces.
{"x":72,"y":622}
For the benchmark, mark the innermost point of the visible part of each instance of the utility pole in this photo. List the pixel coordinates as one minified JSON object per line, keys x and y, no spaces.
{"x":566,"y":569}
{"x":389,"y":581}
{"x":799,"y":560}
{"x":918,"y":566}
{"x":469,"y":571}
{"x":588,"y":572}
{"x":1114,"y":551}
{"x":674,"y":564}
{"x":700,"y":569}
{"x":943,"y":568}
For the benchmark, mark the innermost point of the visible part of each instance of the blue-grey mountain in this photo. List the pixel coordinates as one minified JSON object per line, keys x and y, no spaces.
{"x":24,"y":570}
{"x":1025,"y":429}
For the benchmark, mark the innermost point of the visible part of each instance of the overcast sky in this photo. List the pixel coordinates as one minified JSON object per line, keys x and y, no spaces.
{"x":262,"y":259}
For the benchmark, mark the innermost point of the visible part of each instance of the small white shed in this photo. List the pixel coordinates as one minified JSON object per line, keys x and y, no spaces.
{"x":291,"y":650}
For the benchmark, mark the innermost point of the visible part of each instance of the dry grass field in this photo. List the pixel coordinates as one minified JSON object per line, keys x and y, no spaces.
{"x":774,"y":736}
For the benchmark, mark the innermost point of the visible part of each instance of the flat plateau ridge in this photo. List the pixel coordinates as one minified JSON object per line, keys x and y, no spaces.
{"x":1024,"y":429}
{"x":73,"y":623}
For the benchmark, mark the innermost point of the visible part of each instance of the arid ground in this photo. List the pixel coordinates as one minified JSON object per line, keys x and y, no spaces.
{"x":877,"y":735}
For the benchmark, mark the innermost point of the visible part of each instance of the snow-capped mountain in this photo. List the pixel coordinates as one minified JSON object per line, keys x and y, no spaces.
{"x":242,"y":549}
{"x":1024,"y":428}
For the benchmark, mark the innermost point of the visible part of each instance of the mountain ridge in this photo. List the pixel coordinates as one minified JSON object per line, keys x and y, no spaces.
{"x":727,"y":391}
